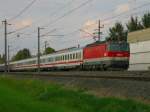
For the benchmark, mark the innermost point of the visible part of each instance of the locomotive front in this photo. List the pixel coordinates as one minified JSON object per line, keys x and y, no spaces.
{"x":117,"y":55}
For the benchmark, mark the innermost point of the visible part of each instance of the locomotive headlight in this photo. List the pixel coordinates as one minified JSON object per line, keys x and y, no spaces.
{"x":105,"y":54}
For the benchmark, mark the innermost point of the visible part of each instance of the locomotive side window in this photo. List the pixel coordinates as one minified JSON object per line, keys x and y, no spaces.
{"x":118,"y":47}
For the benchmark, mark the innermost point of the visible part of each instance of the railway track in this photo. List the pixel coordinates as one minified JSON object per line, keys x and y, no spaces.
{"x":125,"y":75}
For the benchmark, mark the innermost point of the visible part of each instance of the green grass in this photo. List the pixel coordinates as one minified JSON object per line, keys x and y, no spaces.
{"x":38,"y":96}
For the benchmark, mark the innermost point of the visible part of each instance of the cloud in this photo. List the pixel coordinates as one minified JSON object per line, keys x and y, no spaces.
{"x":122,"y":8}
{"x":91,"y":25}
{"x":88,"y":28}
{"x":23,"y":23}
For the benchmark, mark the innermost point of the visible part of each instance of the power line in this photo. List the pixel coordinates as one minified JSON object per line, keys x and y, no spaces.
{"x":18,"y":30}
{"x":52,"y":14}
{"x":58,"y":10}
{"x":118,"y":15}
{"x":122,"y":13}
{"x":68,"y":13}
{"x":22,"y":11}
{"x":109,"y":18}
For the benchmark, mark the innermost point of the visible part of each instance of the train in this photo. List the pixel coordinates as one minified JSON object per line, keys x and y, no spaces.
{"x":95,"y":56}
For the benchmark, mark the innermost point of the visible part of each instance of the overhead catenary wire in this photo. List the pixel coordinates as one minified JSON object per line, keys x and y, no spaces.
{"x":52,"y":14}
{"x":112,"y":17}
{"x":22,"y":11}
{"x":56,"y":11}
{"x":118,"y":15}
{"x":68,"y":13}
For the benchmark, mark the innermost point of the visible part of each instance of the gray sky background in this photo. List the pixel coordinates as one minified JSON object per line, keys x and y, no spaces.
{"x":47,"y":14}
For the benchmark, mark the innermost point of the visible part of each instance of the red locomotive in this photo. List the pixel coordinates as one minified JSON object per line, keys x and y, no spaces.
{"x":106,"y":55}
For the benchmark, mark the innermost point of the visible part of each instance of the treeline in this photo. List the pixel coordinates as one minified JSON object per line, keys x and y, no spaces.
{"x":119,"y":32}
{"x":25,"y":54}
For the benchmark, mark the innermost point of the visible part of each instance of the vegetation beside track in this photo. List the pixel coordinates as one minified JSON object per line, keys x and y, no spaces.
{"x":38,"y":96}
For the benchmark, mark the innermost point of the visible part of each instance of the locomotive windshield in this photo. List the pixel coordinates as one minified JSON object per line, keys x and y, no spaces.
{"x":118,"y":47}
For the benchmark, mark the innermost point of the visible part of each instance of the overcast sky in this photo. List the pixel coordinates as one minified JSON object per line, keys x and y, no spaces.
{"x":62,"y":17}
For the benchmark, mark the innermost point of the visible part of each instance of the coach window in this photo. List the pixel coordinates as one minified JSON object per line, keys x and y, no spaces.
{"x":52,"y":59}
{"x":34,"y":62}
{"x":49,"y":60}
{"x":41,"y":60}
{"x":65,"y":57}
{"x":71,"y":56}
{"x":68,"y":56}
{"x":79,"y":55}
{"x":74,"y":56}
{"x":62,"y":57}
{"x":59,"y":58}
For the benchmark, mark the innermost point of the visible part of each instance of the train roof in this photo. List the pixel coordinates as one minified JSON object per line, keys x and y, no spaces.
{"x":104,"y":42}
{"x":52,"y":54}
{"x":68,"y":49}
{"x":95,"y":43}
{"x":139,"y":36}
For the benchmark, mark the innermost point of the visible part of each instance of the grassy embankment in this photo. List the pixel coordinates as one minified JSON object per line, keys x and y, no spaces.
{"x":38,"y":96}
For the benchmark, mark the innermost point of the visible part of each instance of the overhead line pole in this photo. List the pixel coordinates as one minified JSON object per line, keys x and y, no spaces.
{"x":45,"y":45}
{"x":5,"y":45}
{"x":8,"y":57}
{"x":39,"y":53}
{"x":39,"y":50}
{"x":99,"y":30}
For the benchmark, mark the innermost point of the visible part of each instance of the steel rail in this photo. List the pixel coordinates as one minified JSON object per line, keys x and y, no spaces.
{"x":139,"y":76}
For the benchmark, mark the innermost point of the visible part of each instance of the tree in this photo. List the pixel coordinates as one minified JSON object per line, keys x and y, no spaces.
{"x":146,"y":20}
{"x":134,"y":25}
{"x":49,"y":50}
{"x":22,"y":54}
{"x":117,"y":33}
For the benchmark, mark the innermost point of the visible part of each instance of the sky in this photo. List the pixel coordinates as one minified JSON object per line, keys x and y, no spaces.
{"x":64,"y":23}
